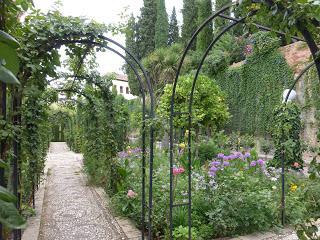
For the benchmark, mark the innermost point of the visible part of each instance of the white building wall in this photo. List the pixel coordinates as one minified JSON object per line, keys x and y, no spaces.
{"x":122,"y":88}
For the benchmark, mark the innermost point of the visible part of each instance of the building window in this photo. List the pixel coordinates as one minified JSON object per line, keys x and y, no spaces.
{"x":121,"y":89}
{"x":127,"y":90}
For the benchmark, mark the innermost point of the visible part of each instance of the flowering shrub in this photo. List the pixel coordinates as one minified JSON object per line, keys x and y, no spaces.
{"x":177,"y":171}
{"x":233,"y":194}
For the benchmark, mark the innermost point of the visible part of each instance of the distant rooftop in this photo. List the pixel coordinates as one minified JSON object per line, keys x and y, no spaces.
{"x":119,"y":77}
{"x":122,"y":77}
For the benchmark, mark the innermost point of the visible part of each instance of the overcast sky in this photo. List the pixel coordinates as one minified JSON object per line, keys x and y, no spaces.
{"x":105,"y":11}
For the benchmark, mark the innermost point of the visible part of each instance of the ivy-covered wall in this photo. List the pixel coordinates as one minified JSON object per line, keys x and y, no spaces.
{"x":255,"y":87}
{"x":311,"y":108}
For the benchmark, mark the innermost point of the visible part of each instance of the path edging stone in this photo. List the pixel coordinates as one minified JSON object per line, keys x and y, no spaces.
{"x":33,"y":223}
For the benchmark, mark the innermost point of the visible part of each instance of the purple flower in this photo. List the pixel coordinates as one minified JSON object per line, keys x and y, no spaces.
{"x":212,"y":174}
{"x":253,"y":164}
{"x":220,"y":155}
{"x":122,"y":154}
{"x":260,"y":162}
{"x":225,"y":158}
{"x":232,"y":157}
{"x":226,"y":164}
{"x":136,"y":150}
{"x":213,"y":169}
{"x":246,"y":155}
{"x":215,"y":163}
{"x":238,"y":154}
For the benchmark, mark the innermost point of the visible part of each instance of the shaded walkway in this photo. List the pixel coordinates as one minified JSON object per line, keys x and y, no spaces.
{"x":71,"y":209}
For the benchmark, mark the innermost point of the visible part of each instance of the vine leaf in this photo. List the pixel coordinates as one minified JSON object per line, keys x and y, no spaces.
{"x":10,"y":216}
{"x":8,"y":40}
{"x":10,"y":56}
{"x":3,"y":164}
{"x":6,"y":196}
{"x":7,"y":76}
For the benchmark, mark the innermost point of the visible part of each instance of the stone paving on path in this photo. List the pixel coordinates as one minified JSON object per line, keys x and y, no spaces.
{"x":71,"y":210}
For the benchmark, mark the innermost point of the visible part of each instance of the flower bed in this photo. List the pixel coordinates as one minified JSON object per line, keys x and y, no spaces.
{"x":231,"y":195}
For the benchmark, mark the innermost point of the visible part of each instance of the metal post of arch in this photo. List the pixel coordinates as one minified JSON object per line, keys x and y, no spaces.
{"x":283,"y":203}
{"x":172,"y":113}
{"x":151,"y":142}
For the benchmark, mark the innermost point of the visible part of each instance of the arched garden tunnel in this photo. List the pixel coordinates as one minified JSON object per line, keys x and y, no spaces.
{"x":31,"y":99}
{"x":95,"y":124}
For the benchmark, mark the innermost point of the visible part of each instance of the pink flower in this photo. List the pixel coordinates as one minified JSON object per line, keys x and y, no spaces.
{"x":177,"y":171}
{"x":296,"y":165}
{"x":131,"y":194}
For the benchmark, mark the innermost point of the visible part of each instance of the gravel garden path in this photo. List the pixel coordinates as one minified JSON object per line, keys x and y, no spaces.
{"x":71,"y":209}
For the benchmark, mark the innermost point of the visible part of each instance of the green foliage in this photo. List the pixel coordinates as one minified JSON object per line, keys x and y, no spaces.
{"x":9,"y":62}
{"x":220,"y":23}
{"x":228,"y":50}
{"x":147,"y":24}
{"x":266,"y":146}
{"x":36,"y":135}
{"x":132,"y":45}
{"x":174,"y":35}
{"x":189,"y":25}
{"x":182,"y":233}
{"x":98,"y":129}
{"x":288,"y":16}
{"x":236,"y":141}
{"x":255,"y":88}
{"x":240,"y":199}
{"x":9,"y":215}
{"x":205,"y":36}
{"x":307,"y":228}
{"x":162,"y":25}
{"x":209,"y":148}
{"x":286,"y":136}
{"x":209,"y":107}
{"x":40,"y":37}
{"x":161,"y":66}
{"x":121,"y":120}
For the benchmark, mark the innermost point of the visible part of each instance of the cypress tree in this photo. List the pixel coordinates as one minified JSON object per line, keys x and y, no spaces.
{"x":205,"y":36}
{"x":173,"y":28}
{"x":147,"y":25}
{"x":132,"y":44}
{"x":162,"y":25}
{"x":220,"y":23}
{"x":189,"y":13}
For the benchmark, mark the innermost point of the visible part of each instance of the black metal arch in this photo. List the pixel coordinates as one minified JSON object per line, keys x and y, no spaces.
{"x":17,"y":234}
{"x":152,"y":115}
{"x":127,"y":60}
{"x":219,"y":13}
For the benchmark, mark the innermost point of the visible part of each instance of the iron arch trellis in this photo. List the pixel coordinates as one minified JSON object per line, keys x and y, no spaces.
{"x":150,"y":88}
{"x":172,"y":113}
{"x":16,"y":121}
{"x":143,"y":128}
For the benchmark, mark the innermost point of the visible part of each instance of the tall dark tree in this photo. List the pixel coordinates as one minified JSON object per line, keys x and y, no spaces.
{"x":162,"y":25}
{"x":147,"y":25}
{"x":219,"y":23}
{"x":132,"y":44}
{"x":205,"y":36}
{"x":173,"y":28}
{"x":189,"y":13}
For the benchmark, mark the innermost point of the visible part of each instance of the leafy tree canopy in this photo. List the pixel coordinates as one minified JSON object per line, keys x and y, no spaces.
{"x":209,"y":105}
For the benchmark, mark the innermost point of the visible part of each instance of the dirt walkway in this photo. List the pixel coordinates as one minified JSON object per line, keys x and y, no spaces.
{"x":71,"y":209}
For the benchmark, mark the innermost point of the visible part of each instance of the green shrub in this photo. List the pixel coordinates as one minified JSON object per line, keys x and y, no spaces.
{"x":182,"y":233}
